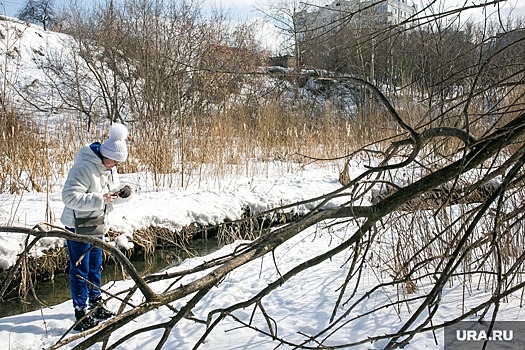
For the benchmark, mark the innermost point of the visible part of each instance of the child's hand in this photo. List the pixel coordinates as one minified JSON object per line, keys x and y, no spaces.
{"x":109,"y":198}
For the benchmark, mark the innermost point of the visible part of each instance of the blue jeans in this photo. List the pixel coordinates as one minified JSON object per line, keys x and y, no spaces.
{"x":88,"y":268}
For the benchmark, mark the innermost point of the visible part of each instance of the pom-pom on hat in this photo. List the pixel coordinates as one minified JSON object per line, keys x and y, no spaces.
{"x":115,"y":146}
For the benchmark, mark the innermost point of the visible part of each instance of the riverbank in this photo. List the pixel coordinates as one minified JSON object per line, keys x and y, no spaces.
{"x":48,"y":291}
{"x":160,"y":219}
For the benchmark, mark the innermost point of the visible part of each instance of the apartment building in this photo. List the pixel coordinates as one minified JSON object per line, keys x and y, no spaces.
{"x":358,"y":13}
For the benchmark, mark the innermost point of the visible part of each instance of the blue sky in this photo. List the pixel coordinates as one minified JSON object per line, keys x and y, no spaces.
{"x":10,"y":7}
{"x":244,"y":9}
{"x":240,"y":8}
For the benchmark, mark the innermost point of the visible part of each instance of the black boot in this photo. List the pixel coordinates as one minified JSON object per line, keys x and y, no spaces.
{"x":101,"y":312}
{"x":84,"y":323}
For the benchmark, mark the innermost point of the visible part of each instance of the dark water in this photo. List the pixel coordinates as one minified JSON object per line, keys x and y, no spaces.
{"x":57,"y":291}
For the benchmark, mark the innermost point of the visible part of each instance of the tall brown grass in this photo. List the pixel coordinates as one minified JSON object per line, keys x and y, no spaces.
{"x":242,"y":138}
{"x":24,"y":154}
{"x":237,"y":139}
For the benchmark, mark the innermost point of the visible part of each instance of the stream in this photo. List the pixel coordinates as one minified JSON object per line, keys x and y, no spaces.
{"x":56,"y":291}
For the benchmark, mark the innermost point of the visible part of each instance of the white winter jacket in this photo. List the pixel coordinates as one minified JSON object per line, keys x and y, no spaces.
{"x":87,"y":182}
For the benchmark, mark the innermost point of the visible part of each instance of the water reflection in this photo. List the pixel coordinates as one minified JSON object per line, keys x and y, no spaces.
{"x":57,"y":291}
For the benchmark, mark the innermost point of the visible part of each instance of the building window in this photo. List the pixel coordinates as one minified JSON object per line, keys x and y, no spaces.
{"x":382,"y":8}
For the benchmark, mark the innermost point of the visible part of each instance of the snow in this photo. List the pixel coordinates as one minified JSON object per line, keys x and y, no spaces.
{"x":301,"y":306}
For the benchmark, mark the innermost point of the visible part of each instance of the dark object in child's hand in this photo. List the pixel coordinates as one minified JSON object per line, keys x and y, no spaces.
{"x":124,"y":192}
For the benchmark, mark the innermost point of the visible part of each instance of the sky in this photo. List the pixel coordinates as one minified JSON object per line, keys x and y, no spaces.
{"x":10,"y":7}
{"x":245,"y":9}
{"x":242,"y":8}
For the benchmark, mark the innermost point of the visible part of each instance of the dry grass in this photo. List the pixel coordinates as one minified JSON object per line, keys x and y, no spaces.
{"x":239,"y":139}
{"x":151,"y":238}
{"x":24,"y":156}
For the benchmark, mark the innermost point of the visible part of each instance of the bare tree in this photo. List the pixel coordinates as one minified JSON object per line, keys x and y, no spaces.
{"x":153,"y":60}
{"x":499,"y":152}
{"x":38,"y":12}
{"x":286,"y":17}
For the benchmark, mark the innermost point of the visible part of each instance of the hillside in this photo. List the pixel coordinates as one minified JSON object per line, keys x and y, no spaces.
{"x":31,"y":60}
{"x":40,"y":69}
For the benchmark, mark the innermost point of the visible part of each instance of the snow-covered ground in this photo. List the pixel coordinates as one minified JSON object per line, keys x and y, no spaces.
{"x":300,"y":307}
{"x":170,"y":208}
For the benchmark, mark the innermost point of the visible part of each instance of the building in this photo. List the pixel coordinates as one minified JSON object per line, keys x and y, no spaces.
{"x":358,"y":13}
{"x":392,"y":12}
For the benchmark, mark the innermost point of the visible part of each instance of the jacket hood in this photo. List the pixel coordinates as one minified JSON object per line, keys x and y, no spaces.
{"x":86,"y":154}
